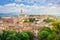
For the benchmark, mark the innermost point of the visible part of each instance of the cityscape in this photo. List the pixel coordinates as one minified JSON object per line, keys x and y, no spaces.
{"x":29,"y":20}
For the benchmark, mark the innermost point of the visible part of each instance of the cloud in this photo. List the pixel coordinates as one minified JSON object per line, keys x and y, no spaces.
{"x":27,"y":9}
{"x":40,"y":2}
{"x":25,"y":1}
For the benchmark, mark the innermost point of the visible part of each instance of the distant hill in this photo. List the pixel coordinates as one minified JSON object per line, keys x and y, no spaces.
{"x":16,"y":14}
{"x":8,"y":14}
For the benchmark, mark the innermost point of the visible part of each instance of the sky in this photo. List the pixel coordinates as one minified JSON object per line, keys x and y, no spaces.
{"x":34,"y":7}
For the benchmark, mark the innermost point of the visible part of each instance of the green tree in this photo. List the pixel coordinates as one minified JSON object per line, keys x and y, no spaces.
{"x":8,"y":35}
{"x":31,"y":19}
{"x":51,"y":36}
{"x":56,"y":26}
{"x":19,"y":35}
{"x":0,"y":36}
{"x":25,"y":36}
{"x":46,"y":29}
{"x":12,"y":37}
{"x":57,"y":37}
{"x":26,"y":20}
{"x":31,"y":35}
{"x":43,"y":33}
{"x":48,"y":20}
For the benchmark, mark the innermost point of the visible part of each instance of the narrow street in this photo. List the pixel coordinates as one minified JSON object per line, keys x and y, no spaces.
{"x":35,"y":38}
{"x":35,"y":34}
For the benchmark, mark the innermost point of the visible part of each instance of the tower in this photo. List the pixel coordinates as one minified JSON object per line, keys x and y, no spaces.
{"x":21,"y":11}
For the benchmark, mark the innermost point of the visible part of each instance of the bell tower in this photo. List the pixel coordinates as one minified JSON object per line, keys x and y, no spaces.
{"x":21,"y":11}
